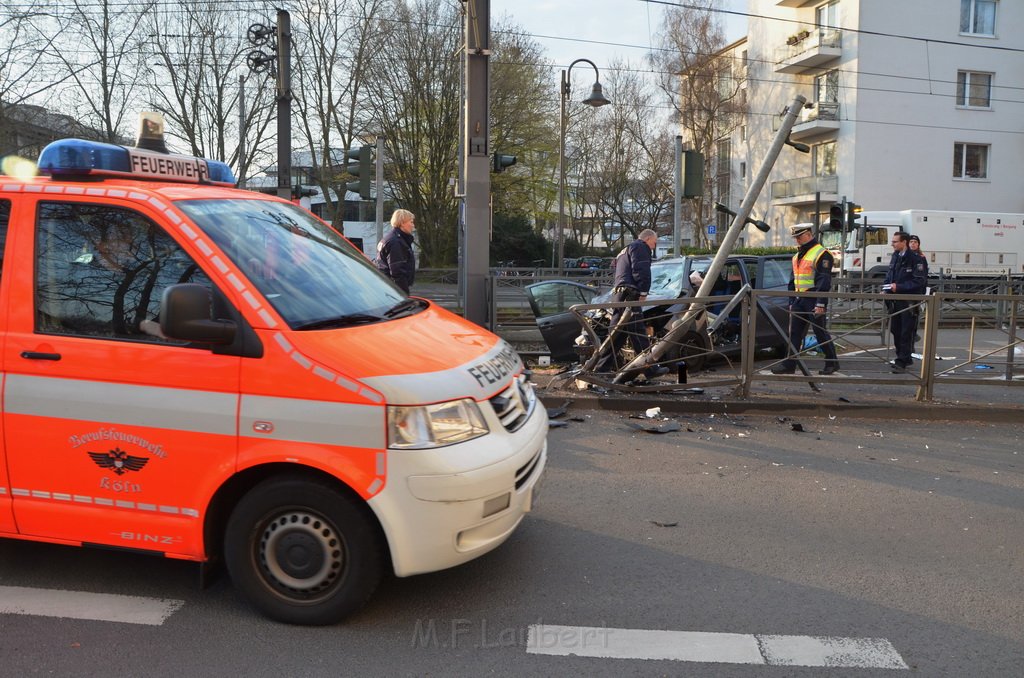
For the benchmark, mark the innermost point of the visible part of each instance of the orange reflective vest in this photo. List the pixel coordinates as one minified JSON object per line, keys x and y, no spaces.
{"x":803,"y":267}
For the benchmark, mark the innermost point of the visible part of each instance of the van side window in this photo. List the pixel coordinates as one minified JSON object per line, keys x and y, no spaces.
{"x":5,"y":217}
{"x":101,"y":272}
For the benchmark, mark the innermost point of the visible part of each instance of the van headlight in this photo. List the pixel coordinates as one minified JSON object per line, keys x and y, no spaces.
{"x":425,"y":426}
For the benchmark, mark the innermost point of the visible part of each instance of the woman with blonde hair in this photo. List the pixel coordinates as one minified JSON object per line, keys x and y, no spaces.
{"x":395,"y":257}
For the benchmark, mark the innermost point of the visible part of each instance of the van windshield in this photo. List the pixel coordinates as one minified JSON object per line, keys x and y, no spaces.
{"x":311,"y":275}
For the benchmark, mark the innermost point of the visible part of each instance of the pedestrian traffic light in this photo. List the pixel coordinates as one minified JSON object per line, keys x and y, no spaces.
{"x":362,"y":170}
{"x":836,"y":217}
{"x":693,"y":174}
{"x":853,"y":211}
{"x":499,"y":162}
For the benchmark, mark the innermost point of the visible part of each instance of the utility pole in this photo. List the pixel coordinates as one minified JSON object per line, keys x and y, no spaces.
{"x":241,"y":131}
{"x":379,"y":178}
{"x":677,"y":204}
{"x":284,"y":104}
{"x":476,"y":165}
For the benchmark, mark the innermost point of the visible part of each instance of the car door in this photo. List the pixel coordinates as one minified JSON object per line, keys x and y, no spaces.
{"x":550,"y":302}
{"x":6,"y":514}
{"x":115,"y":434}
{"x":773,"y":273}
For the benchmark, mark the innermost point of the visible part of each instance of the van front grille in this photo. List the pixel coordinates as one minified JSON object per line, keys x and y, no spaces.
{"x":515,"y":404}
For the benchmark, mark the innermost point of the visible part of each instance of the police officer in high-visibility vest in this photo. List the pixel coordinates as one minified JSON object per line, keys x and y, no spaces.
{"x":812,"y":272}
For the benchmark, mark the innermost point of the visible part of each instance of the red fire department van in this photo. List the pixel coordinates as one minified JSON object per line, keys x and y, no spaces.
{"x":210,"y":374}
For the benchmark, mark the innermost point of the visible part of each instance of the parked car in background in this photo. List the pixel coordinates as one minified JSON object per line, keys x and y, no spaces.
{"x":551,"y":300}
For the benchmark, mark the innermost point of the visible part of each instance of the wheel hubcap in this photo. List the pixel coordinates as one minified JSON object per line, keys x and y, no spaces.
{"x":301,"y":552}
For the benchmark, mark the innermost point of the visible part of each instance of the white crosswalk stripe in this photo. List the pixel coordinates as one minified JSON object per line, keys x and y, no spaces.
{"x":82,"y":605}
{"x":730,"y":648}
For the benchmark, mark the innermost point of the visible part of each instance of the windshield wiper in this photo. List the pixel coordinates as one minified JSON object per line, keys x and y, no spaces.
{"x":404,"y":307}
{"x":341,"y":321}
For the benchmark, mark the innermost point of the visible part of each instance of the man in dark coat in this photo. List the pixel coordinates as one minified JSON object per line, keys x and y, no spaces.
{"x":908,"y":274}
{"x":395,"y":257}
{"x":632,"y":283}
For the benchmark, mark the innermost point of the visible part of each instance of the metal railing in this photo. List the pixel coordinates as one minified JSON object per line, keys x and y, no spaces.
{"x":806,"y":39}
{"x":965,"y":338}
{"x":791,"y":188}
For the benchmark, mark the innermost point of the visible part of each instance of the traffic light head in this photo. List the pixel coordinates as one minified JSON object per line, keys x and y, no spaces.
{"x":852,"y":214}
{"x":836,"y":217}
{"x":499,"y":162}
{"x":362,"y":170}
{"x":693,"y":174}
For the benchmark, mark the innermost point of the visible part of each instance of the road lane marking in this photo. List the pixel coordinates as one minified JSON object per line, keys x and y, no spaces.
{"x":727,"y":648}
{"x":82,"y":605}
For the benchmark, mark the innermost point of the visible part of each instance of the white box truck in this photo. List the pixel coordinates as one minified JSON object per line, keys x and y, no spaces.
{"x":957,"y":244}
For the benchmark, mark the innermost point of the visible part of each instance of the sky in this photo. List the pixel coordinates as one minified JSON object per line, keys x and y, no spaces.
{"x":574,"y":29}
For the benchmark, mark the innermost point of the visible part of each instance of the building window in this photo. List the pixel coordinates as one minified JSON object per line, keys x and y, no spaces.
{"x":827,"y":16}
{"x":978,"y":17}
{"x":974,"y":89}
{"x":724,"y":148}
{"x":825,"y":159}
{"x":970,"y":161}
{"x":826,"y":87}
{"x":743,"y":170}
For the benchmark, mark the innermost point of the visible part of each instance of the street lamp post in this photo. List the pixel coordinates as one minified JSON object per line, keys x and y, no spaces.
{"x":595,"y":99}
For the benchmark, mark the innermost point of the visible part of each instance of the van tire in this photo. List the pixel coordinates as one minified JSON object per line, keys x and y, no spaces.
{"x":336,"y":559}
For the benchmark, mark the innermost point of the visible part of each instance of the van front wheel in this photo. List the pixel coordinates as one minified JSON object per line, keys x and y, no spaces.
{"x":302,"y":552}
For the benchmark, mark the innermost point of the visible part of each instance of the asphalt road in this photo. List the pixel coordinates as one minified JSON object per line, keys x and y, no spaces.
{"x":904,"y":531}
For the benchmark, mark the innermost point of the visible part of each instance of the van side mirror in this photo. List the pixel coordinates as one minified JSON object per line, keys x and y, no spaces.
{"x":186,"y":313}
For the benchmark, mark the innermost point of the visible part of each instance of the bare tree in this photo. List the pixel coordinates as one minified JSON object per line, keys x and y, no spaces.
{"x":629,"y":183}
{"x":24,"y":75}
{"x":198,"y":67}
{"x":413,"y":88}
{"x":698,"y":81}
{"x":523,"y":124}
{"x":101,"y":56}
{"x":333,"y":42}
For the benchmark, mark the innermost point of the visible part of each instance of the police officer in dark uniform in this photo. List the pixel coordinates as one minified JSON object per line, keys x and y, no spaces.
{"x":632,"y":283}
{"x":812,"y":272}
{"x":395,"y":257}
{"x":908,"y":274}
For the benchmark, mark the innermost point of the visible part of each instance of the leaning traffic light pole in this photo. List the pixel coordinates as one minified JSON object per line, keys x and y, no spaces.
{"x":640,"y":362}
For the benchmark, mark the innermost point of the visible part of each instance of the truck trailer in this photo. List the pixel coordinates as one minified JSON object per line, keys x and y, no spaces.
{"x":956,"y":244}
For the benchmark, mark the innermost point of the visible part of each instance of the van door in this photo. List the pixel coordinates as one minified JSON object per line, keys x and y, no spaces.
{"x":115,"y":434}
{"x":6,"y":515}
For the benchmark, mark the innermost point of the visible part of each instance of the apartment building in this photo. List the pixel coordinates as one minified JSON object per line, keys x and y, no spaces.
{"x":910,"y":104}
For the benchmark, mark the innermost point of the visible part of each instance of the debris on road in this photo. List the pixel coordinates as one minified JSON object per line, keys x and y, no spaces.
{"x":669,"y":427}
{"x":661,"y":524}
{"x":556,"y":412}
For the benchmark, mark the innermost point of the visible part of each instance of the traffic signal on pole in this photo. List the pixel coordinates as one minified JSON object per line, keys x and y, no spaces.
{"x":836,"y":216}
{"x":499,"y":162}
{"x":362,"y":170}
{"x":693,"y":174}
{"x":853,"y":211}
{"x":299,"y":191}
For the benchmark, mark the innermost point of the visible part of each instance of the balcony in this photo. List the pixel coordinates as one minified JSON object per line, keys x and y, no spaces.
{"x":808,"y":48}
{"x":801,"y":190}
{"x":821,"y":117}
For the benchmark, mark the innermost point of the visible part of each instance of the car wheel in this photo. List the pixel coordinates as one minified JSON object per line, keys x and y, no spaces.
{"x":693,"y":348}
{"x":302,"y":552}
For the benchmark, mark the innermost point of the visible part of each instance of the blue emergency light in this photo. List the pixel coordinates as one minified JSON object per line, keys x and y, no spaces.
{"x":78,"y":157}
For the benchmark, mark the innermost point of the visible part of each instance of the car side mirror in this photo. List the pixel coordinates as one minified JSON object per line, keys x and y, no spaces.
{"x":187,"y":314}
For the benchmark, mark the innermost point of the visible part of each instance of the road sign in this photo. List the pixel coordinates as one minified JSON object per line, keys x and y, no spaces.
{"x":711,"y":229}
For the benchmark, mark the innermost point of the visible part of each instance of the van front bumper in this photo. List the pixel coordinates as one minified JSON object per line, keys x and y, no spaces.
{"x":434,"y":520}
